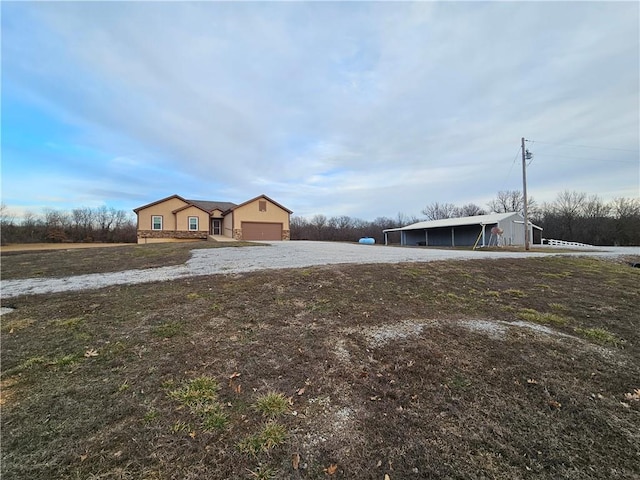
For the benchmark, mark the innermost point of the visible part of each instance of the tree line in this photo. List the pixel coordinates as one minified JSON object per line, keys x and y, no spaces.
{"x":572,"y":216}
{"x":101,"y":224}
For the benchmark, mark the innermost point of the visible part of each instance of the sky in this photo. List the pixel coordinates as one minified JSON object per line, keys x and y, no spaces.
{"x":364,"y":109}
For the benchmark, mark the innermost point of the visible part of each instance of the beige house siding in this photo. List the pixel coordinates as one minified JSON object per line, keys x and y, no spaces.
{"x":227,"y":225}
{"x":260,"y":216}
{"x":165,"y":209}
{"x":182,"y":219}
{"x":250,"y":212}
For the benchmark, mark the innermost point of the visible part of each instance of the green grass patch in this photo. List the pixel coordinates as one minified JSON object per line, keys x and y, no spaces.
{"x":31,"y":362}
{"x":71,"y":323}
{"x":271,"y":436}
{"x":200,"y":395}
{"x":531,"y":315}
{"x":599,"y":335}
{"x":556,"y":274}
{"x":168,"y":330}
{"x":151,"y":416}
{"x":66,"y":360}
{"x":272,"y":404}
{"x":214,"y":420}
{"x":514,"y":292}
{"x":558,"y":307}
{"x":460,"y":382}
{"x":15,"y":325}
{"x":264,"y":472}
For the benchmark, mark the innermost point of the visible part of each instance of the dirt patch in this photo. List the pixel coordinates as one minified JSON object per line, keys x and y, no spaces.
{"x":416,"y":370}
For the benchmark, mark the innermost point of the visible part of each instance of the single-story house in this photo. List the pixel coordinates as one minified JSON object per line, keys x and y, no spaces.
{"x":175,"y":218}
{"x":482,"y":230}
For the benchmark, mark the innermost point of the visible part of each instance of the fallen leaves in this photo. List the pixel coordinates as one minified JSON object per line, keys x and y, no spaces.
{"x":295,"y":461}
{"x":237,"y":389}
{"x":91,"y":352}
{"x":634,"y":396}
{"x":554,"y":404}
{"x":331,"y":469}
{"x":301,"y":391}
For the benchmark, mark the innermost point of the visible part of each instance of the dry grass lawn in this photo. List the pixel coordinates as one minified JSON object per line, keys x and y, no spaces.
{"x":473,"y":369}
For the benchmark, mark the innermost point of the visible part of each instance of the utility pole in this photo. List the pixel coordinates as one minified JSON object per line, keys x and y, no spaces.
{"x":525,"y":156}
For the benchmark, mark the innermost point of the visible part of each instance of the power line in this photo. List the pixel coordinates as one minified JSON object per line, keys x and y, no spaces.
{"x":510,"y":169}
{"x":582,"y":146}
{"x":554,"y":155}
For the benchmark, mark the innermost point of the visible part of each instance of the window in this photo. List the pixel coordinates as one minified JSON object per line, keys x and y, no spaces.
{"x":262,"y":205}
{"x":156,"y":222}
{"x":193,"y":223}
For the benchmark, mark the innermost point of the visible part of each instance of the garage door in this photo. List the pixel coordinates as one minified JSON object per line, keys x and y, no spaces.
{"x":261,"y":231}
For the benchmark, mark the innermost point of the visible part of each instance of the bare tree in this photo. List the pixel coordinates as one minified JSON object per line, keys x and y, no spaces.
{"x":626,"y":212}
{"x":569,"y":204}
{"x":594,"y":207}
{"x":470,"y":210}
{"x":82,"y":221}
{"x":625,"y":207}
{"x":507,"y":201}
{"x":56,"y":224}
{"x":403,"y":220}
{"x":6,"y":218}
{"x":439,"y":211}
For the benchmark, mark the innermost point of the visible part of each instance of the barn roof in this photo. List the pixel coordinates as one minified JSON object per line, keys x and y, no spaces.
{"x":490,"y":219}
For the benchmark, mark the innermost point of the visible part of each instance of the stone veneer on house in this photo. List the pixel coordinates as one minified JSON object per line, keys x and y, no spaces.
{"x":201,"y":234}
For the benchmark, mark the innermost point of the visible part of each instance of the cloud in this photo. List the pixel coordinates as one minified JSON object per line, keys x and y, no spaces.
{"x":364,"y":109}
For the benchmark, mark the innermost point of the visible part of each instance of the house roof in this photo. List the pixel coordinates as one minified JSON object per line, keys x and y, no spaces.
{"x":457,"y":222}
{"x":266,"y":198}
{"x":136,"y":210}
{"x":211,"y":205}
{"x":191,"y":205}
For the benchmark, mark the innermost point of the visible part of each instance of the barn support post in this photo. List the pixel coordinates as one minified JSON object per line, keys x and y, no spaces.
{"x":483,"y":234}
{"x":426,"y":237}
{"x":453,"y":237}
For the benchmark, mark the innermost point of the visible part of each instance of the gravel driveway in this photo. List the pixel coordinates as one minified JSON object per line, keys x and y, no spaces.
{"x":276,"y":255}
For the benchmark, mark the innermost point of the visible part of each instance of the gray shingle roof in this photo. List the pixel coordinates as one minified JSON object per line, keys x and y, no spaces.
{"x":210,"y":205}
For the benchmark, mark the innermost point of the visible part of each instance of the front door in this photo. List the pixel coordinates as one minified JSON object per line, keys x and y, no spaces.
{"x":216,"y":227}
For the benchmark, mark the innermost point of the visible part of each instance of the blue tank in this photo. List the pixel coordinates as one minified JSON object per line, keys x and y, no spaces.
{"x":367,"y":240}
